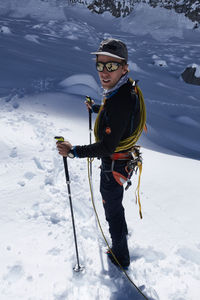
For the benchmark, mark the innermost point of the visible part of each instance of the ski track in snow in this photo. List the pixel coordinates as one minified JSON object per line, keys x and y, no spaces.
{"x":37,"y":250}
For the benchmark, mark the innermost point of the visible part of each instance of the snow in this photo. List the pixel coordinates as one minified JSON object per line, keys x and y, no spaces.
{"x":43,"y":82}
{"x":160,"y":63}
{"x":197,"y":71}
{"x":5,"y":30}
{"x":134,"y":67}
{"x":32,"y":38}
{"x":43,"y":10}
{"x":155,"y":22}
{"x":81,"y":84}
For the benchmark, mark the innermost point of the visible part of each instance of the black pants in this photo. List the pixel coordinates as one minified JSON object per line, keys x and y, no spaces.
{"x":112,"y":194}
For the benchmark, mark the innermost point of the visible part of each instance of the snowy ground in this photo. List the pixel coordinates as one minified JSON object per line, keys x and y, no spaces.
{"x":45,"y":72}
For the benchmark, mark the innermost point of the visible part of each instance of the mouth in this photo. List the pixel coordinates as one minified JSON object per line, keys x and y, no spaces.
{"x":105,"y":80}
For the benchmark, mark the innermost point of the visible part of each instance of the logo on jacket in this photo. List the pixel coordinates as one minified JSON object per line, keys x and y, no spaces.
{"x":108,"y":130}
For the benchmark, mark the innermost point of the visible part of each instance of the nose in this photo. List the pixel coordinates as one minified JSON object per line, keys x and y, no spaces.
{"x":105,"y":71}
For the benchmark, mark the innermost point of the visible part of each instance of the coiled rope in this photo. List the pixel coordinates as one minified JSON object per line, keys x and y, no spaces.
{"x":130,"y":141}
{"x":89,"y":164}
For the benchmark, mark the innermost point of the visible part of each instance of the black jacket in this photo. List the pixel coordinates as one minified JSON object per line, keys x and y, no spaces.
{"x":118,"y":120}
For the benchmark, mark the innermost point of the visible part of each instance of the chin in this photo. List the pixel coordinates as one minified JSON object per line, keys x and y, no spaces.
{"x":106,"y":86}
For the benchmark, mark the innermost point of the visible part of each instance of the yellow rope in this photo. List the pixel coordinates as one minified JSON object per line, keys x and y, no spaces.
{"x":137,"y":192}
{"x":96,"y":124}
{"x":89,"y":160}
{"x":131,"y":140}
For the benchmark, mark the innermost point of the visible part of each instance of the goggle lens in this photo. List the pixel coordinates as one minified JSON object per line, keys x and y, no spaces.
{"x":110,"y":66}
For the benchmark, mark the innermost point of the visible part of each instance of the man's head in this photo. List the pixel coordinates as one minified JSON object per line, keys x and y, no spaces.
{"x":111,"y":62}
{"x":113,"y":48}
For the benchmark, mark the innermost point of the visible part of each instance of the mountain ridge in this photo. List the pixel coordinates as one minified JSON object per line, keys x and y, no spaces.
{"x":190,"y":8}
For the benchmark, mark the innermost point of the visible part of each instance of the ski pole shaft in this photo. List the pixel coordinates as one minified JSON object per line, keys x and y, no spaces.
{"x":90,"y":125}
{"x":90,"y":130}
{"x":71,"y":208}
{"x":89,"y":100}
{"x":77,"y":268}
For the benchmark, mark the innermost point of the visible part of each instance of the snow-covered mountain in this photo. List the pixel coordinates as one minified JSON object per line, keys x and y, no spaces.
{"x":190,"y":8}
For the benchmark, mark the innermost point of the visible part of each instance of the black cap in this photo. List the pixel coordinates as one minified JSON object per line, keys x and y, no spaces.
{"x":113,"y":48}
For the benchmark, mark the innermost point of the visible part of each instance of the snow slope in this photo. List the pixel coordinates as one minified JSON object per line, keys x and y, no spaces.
{"x":46,"y":70}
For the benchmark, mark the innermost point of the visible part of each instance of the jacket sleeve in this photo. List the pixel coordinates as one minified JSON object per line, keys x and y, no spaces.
{"x":95,"y":108}
{"x":118,"y":116}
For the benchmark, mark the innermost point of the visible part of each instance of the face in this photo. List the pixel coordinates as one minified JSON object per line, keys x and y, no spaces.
{"x":109,"y":79}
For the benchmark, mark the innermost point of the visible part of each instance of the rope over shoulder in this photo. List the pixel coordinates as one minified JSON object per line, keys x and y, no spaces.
{"x":130,"y":141}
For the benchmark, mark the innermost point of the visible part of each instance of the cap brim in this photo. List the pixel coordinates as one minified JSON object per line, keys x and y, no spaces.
{"x":108,"y":54}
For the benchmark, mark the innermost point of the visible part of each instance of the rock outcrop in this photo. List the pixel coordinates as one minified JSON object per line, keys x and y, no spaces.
{"x":192,"y":74}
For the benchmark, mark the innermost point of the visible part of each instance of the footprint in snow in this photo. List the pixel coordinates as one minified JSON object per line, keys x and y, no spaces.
{"x":49,"y":180}
{"x":149,"y":254}
{"x":14,"y":273}
{"x":38,"y":163}
{"x":22,"y":183}
{"x":15,"y":105}
{"x":29,"y":278}
{"x":29,"y":175}
{"x":13,"y":152}
{"x":54,"y":251}
{"x":190,"y":255}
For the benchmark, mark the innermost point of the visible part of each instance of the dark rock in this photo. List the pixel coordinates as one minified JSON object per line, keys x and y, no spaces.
{"x":189,"y":75}
{"x":116,"y":8}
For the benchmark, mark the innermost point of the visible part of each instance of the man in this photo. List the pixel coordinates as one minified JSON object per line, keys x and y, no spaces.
{"x":117,"y":120}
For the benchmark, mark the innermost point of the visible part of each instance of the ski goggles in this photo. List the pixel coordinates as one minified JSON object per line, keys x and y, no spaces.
{"x":110,"y":66}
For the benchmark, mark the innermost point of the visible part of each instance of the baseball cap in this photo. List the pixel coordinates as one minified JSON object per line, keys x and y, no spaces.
{"x":113,"y":48}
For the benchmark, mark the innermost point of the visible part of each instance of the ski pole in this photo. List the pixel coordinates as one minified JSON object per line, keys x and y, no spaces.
{"x":77,"y":267}
{"x":89,"y":100}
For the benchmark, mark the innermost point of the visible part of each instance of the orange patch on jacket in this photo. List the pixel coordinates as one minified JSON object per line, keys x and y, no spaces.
{"x":108,"y":130}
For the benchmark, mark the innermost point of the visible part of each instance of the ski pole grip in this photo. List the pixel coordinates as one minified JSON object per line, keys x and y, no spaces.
{"x":59,"y":138}
{"x":88,"y":99}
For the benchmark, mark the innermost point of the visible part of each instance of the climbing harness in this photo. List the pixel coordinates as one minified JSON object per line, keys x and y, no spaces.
{"x":134,"y":163}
